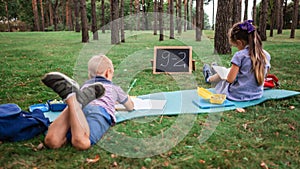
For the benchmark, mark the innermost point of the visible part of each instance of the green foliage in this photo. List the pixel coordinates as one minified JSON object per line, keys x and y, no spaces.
{"x":268,"y":133}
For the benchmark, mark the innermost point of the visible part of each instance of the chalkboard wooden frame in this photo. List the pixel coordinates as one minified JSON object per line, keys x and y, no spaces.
{"x":172,"y":51}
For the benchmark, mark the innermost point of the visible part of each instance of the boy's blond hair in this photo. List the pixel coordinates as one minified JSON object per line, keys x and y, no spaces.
{"x":98,"y":64}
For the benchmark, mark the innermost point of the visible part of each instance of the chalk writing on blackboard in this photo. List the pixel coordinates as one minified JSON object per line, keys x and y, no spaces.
{"x":172,"y":59}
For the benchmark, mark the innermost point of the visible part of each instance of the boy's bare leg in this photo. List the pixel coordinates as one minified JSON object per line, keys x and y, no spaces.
{"x":56,"y":135}
{"x":79,"y":126}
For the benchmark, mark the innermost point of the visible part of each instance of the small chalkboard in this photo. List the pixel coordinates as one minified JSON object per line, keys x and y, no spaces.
{"x":172,"y":59}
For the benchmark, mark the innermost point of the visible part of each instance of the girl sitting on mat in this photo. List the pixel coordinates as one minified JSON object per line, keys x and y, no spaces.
{"x":249,"y":65}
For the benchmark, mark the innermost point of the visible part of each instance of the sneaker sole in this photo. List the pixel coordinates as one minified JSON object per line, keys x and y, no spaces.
{"x":71,"y":81}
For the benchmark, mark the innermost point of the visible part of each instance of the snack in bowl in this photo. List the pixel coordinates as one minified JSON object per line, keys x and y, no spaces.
{"x":56,"y":105}
{"x":217,"y":98}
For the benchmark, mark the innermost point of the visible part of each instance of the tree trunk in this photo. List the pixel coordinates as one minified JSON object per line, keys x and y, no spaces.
{"x":36,"y":15}
{"x":103,"y":15}
{"x":246,"y":10}
{"x":272,"y":17}
{"x":76,"y":13}
{"x":122,"y":22}
{"x":171,"y":8}
{"x":84,"y":23}
{"x":191,"y":14}
{"x":223,"y":24}
{"x":55,"y":14}
{"x":295,"y":19}
{"x":94,"y":20}
{"x":279,"y":19}
{"x":199,"y":21}
{"x":254,"y":12}
{"x":42,"y":15}
{"x":155,"y":18}
{"x":179,"y":20}
{"x":236,"y":11}
{"x":50,"y":12}
{"x":185,"y":15}
{"x":160,"y":20}
{"x":137,"y":14}
{"x":7,"y":16}
{"x":263,"y":20}
{"x":114,"y":8}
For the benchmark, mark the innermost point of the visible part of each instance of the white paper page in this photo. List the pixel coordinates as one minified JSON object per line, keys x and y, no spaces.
{"x":144,"y":104}
{"x":222,"y":71}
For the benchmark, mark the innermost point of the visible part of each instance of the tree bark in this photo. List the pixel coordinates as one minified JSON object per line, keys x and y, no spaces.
{"x":191,"y":14}
{"x":236,"y":11}
{"x":42,"y":15}
{"x":122,"y":22}
{"x":279,"y":20}
{"x":295,"y":18}
{"x":199,"y":21}
{"x":7,"y":16}
{"x":76,"y":13}
{"x":171,"y":8}
{"x":246,"y":10}
{"x":103,"y":16}
{"x":272,"y":17}
{"x":36,"y":15}
{"x":223,"y":24}
{"x":84,"y":23}
{"x":185,"y":15}
{"x":137,"y":14}
{"x":254,"y":12}
{"x":263,"y":20}
{"x":114,"y":8}
{"x":160,"y":20}
{"x":94,"y":20}
{"x":155,"y":18}
{"x":179,"y":20}
{"x":55,"y":14}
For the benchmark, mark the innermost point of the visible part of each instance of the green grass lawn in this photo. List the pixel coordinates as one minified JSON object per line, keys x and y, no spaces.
{"x":268,"y":133}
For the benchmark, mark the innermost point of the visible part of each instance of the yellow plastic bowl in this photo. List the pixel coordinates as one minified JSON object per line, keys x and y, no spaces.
{"x":204,"y":93}
{"x":217,"y":98}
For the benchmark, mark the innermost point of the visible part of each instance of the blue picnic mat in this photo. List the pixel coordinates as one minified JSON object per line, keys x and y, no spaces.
{"x":182,"y":102}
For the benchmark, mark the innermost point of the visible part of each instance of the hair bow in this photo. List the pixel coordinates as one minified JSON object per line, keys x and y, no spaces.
{"x":247,"y":26}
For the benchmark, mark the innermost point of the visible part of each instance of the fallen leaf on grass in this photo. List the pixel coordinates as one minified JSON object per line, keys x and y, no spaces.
{"x":201,"y":161}
{"x":89,"y":160}
{"x":292,"y":107}
{"x":264,"y":165}
{"x":240,"y":110}
{"x":292,"y":127}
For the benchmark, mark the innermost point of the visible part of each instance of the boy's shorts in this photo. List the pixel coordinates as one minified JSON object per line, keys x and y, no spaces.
{"x":98,"y":120}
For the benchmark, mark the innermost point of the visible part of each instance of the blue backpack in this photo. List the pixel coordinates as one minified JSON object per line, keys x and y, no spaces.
{"x":17,"y":125}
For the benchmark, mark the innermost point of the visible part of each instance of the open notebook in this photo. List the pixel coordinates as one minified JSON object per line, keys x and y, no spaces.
{"x":144,"y":104}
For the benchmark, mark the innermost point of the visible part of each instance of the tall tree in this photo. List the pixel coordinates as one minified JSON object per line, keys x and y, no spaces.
{"x":94,"y":20}
{"x":246,"y":10}
{"x":155,"y":9}
{"x":263,"y":20}
{"x":42,"y":15}
{"x":69,"y":20}
{"x":137,"y":14}
{"x":236,"y":11}
{"x":84,"y":22}
{"x":272,"y":16}
{"x":36,"y":15}
{"x":122,"y":22}
{"x":279,"y":19}
{"x":199,"y":20}
{"x":114,"y":8}
{"x":295,"y":19}
{"x":103,"y":15}
{"x":7,"y":15}
{"x":221,"y":42}
{"x":76,"y":13}
{"x":171,"y":8}
{"x":185,"y":15}
{"x":50,"y":10}
{"x":160,"y":20}
{"x":254,"y":12}
{"x":55,"y":14}
{"x":179,"y":20}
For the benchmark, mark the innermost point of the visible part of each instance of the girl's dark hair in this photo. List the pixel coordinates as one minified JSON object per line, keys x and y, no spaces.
{"x":247,"y":33}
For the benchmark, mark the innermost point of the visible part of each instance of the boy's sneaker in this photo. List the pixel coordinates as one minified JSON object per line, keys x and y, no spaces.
{"x":63,"y":86}
{"x":206,"y":72}
{"x":90,"y":93}
{"x":60,"y":83}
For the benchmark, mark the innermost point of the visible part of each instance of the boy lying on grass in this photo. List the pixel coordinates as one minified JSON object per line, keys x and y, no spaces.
{"x":90,"y":111}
